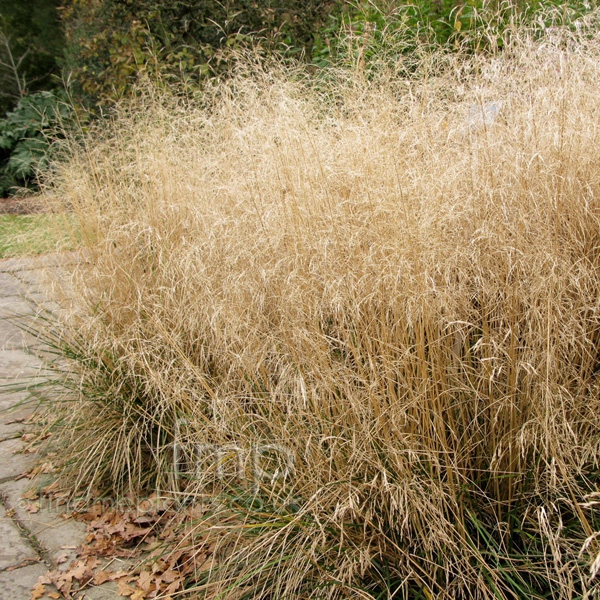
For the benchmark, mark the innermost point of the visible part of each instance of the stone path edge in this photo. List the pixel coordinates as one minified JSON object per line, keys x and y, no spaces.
{"x":30,"y":544}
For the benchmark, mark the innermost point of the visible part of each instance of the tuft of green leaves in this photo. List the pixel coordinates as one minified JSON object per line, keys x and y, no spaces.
{"x":26,"y":135}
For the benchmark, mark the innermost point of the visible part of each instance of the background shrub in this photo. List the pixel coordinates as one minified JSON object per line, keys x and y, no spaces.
{"x":31,"y":47}
{"x":26,"y":135}
{"x":111,"y":42}
{"x":373,"y":34}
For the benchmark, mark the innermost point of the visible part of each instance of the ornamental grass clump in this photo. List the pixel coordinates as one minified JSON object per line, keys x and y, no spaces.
{"x":359,"y":274}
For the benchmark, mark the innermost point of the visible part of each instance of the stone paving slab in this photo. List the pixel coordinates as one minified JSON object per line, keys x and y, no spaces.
{"x":14,"y":420}
{"x":14,"y":392}
{"x":13,"y":265}
{"x":13,"y":305}
{"x":12,"y":395}
{"x":17,"y":364}
{"x":14,"y":549}
{"x":31,"y":277}
{"x":18,"y":371}
{"x":18,"y":306}
{"x":14,"y":423}
{"x":17,"y":584}
{"x":30,"y":542}
{"x":12,"y":337}
{"x":11,"y":286}
{"x":57,"y":534}
{"x":41,"y":278}
{"x":12,"y":462}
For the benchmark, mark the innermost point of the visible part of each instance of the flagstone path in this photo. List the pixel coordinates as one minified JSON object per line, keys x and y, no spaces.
{"x":31,"y":543}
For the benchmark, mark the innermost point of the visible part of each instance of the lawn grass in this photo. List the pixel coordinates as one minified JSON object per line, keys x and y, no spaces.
{"x":30,"y":235}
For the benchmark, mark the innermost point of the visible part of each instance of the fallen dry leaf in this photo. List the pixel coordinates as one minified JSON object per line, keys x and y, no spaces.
{"x":145,"y":580}
{"x":124,"y":588}
{"x":47,"y":467}
{"x":38,"y":591}
{"x":32,"y":507}
{"x":148,"y":527}
{"x":119,"y":575}
{"x":31,"y":494}
{"x":173,"y":587}
{"x":101,"y":577}
{"x":50,"y":488}
{"x":80,"y":572}
{"x":170,"y":576}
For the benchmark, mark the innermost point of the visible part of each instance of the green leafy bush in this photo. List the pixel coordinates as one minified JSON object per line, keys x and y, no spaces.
{"x":379,"y":32}
{"x":31,"y":36}
{"x":110,"y":43}
{"x":26,"y":135}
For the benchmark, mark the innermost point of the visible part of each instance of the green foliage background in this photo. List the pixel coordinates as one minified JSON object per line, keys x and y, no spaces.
{"x":31,"y":50}
{"x":33,"y":30}
{"x":110,"y":42}
{"x":26,"y":135}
